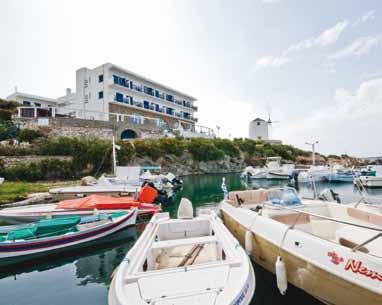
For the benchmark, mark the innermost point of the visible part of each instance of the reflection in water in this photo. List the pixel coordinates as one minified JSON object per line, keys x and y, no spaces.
{"x":114,"y":247}
{"x":82,"y":276}
{"x":98,"y":268}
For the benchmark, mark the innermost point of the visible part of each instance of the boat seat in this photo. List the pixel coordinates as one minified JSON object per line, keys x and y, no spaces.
{"x":349,"y":236}
{"x":324,"y":228}
{"x":365,"y":216}
{"x":291,"y":218}
{"x":183,"y":242}
{"x":186,"y":255}
{"x":248,"y":197}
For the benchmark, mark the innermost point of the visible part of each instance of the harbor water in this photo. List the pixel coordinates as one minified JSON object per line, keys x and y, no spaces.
{"x":83,"y":276}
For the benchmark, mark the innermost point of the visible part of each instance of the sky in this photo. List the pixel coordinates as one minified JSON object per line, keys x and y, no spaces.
{"x":314,"y":66}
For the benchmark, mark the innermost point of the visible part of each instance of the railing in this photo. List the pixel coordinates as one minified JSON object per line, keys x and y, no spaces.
{"x":154,"y":93}
{"x":152,"y":108}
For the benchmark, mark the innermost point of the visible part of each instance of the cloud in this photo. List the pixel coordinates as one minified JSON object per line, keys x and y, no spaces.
{"x":359,"y":47}
{"x":325,"y":38}
{"x":272,"y":61}
{"x":350,"y":123}
{"x":368,"y":16}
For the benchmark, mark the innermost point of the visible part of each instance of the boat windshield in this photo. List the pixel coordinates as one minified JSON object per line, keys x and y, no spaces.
{"x":283,"y":196}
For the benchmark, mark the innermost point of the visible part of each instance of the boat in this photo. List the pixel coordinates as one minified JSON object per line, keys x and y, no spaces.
{"x":341,"y":175}
{"x":273,"y":169}
{"x":316,"y":173}
{"x":83,"y":207}
{"x":278,"y":171}
{"x":188,"y":260}
{"x":20,"y":243}
{"x":369,"y":181}
{"x":364,"y":171}
{"x":126,"y":180}
{"x":332,"y":251}
{"x":254,"y":173}
{"x":2,"y":179}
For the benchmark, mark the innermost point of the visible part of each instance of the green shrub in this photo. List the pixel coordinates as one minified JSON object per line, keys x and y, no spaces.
{"x":7,"y":108}
{"x":246,"y":145}
{"x":44,"y":170}
{"x":227,"y":146}
{"x":16,"y":150}
{"x":8,"y":130}
{"x":334,"y":157}
{"x":29,"y":135}
{"x":204,"y":150}
{"x":148,"y":148}
{"x":172,"y":146}
{"x":126,"y":153}
{"x":90,"y":155}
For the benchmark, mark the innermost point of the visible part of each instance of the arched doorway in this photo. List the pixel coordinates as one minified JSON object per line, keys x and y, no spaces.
{"x":128,"y":134}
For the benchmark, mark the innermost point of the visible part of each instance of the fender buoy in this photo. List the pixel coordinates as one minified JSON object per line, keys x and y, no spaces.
{"x":248,"y":242}
{"x":281,"y":275}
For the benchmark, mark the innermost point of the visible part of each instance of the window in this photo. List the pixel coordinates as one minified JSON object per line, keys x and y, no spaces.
{"x":121,"y":81}
{"x":26,"y":103}
{"x":258,"y":123}
{"x":37,"y":104}
{"x":100,"y":78}
{"x":119,"y":97}
{"x":170,"y":98}
{"x":148,"y":90}
{"x":146,"y":104}
{"x":170,"y":111}
{"x":100,"y":94}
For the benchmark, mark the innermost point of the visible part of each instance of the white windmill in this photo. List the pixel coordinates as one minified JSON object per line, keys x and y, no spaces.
{"x":260,"y":129}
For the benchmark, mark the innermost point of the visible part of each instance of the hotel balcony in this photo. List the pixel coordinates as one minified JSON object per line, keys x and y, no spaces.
{"x":138,"y":104}
{"x":153,"y":94}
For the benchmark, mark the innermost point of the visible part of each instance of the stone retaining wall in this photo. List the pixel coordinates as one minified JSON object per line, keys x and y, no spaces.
{"x":10,"y":161}
{"x":72,"y":127}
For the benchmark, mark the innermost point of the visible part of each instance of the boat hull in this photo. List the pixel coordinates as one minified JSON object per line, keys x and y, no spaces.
{"x":23,"y":250}
{"x":317,"y":282}
{"x":14,"y":217}
{"x":369,"y":181}
{"x":278,"y":176}
{"x":340,"y":178}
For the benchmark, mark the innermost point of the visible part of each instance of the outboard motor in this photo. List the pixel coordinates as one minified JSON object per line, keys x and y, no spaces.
{"x":329,"y":195}
{"x":294,"y":177}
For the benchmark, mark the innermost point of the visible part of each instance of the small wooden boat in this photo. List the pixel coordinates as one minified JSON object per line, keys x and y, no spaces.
{"x":184,"y":261}
{"x":83,"y":207}
{"x":330,"y":250}
{"x":47,"y":235}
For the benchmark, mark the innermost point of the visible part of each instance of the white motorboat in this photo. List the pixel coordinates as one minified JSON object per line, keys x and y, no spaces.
{"x":273,"y":169}
{"x":330,"y":250}
{"x":278,"y":171}
{"x":315,"y":172}
{"x":254,"y":173}
{"x":369,"y":181}
{"x":185,"y":261}
{"x":2,"y":180}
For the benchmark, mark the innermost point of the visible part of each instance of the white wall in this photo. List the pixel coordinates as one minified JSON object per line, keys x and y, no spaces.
{"x":258,"y":130}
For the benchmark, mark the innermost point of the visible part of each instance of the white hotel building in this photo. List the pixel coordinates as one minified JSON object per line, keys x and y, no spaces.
{"x":111,"y":93}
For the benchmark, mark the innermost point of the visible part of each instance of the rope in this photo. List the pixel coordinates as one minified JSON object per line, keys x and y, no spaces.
{"x":286,"y":232}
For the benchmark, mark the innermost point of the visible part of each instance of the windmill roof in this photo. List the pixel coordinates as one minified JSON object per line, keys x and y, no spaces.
{"x":258,"y":119}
